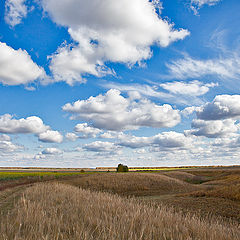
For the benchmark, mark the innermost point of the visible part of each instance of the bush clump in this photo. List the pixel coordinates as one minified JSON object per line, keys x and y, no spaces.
{"x":122,"y":168}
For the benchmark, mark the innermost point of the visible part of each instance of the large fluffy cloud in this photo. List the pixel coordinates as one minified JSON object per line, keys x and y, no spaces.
{"x":114,"y":112}
{"x":214,"y":129}
{"x":17,"y":67}
{"x":216,"y":119}
{"x":31,"y":124}
{"x":15,"y":11}
{"x":107,"y":30}
{"x":222,"y":107}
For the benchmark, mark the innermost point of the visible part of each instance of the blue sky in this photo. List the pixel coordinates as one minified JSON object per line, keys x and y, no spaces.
{"x":144,"y":83}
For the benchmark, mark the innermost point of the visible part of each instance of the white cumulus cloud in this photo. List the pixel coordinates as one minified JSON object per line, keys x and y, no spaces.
{"x":28,"y":125}
{"x":216,"y":119}
{"x":17,"y":67}
{"x":71,"y":136}
{"x":214,"y":129}
{"x":87,"y":131}
{"x":112,"y":111}
{"x":222,"y":107}
{"x":31,"y":124}
{"x":51,"y":151}
{"x":107,"y":31}
{"x":50,"y":136}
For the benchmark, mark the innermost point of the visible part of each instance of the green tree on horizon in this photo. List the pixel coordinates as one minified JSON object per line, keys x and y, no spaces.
{"x":122,"y":168}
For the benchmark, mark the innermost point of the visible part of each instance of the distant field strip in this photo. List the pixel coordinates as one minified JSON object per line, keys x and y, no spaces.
{"x":157,"y":169}
{"x":16,"y":175}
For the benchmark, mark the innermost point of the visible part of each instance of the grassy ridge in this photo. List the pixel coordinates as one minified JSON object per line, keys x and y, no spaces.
{"x":137,"y":183}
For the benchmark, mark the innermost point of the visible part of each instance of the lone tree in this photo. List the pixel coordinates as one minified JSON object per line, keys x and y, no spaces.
{"x":122,"y":168}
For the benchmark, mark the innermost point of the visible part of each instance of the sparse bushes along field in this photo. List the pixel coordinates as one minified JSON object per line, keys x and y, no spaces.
{"x":57,"y":211}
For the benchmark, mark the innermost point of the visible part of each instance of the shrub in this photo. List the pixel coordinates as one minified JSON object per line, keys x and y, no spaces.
{"x":122,"y":168}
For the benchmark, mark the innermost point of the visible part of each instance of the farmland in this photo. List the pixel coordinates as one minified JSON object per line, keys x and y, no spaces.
{"x":191,"y":203}
{"x":17,"y":175}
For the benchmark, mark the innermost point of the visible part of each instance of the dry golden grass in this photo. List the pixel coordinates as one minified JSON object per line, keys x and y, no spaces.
{"x":133,"y":183}
{"x":57,"y":211}
{"x":226,"y":180}
{"x":231,"y":192}
{"x":223,"y":184}
{"x":220,"y":208}
{"x":215,"y":174}
{"x":187,"y":177}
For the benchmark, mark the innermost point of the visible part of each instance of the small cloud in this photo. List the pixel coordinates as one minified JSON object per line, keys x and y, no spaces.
{"x":52,"y":151}
{"x":195,"y":5}
{"x":50,"y":136}
{"x":86,"y":131}
{"x":30,"y":88}
{"x":71,"y":136}
{"x":15,"y":11}
{"x":194,"y":88}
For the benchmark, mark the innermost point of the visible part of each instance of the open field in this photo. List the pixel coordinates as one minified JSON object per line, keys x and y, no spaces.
{"x":180,"y":204}
{"x":17,"y":175}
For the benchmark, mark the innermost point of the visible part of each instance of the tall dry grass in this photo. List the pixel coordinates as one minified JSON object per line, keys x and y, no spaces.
{"x":57,"y":211}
